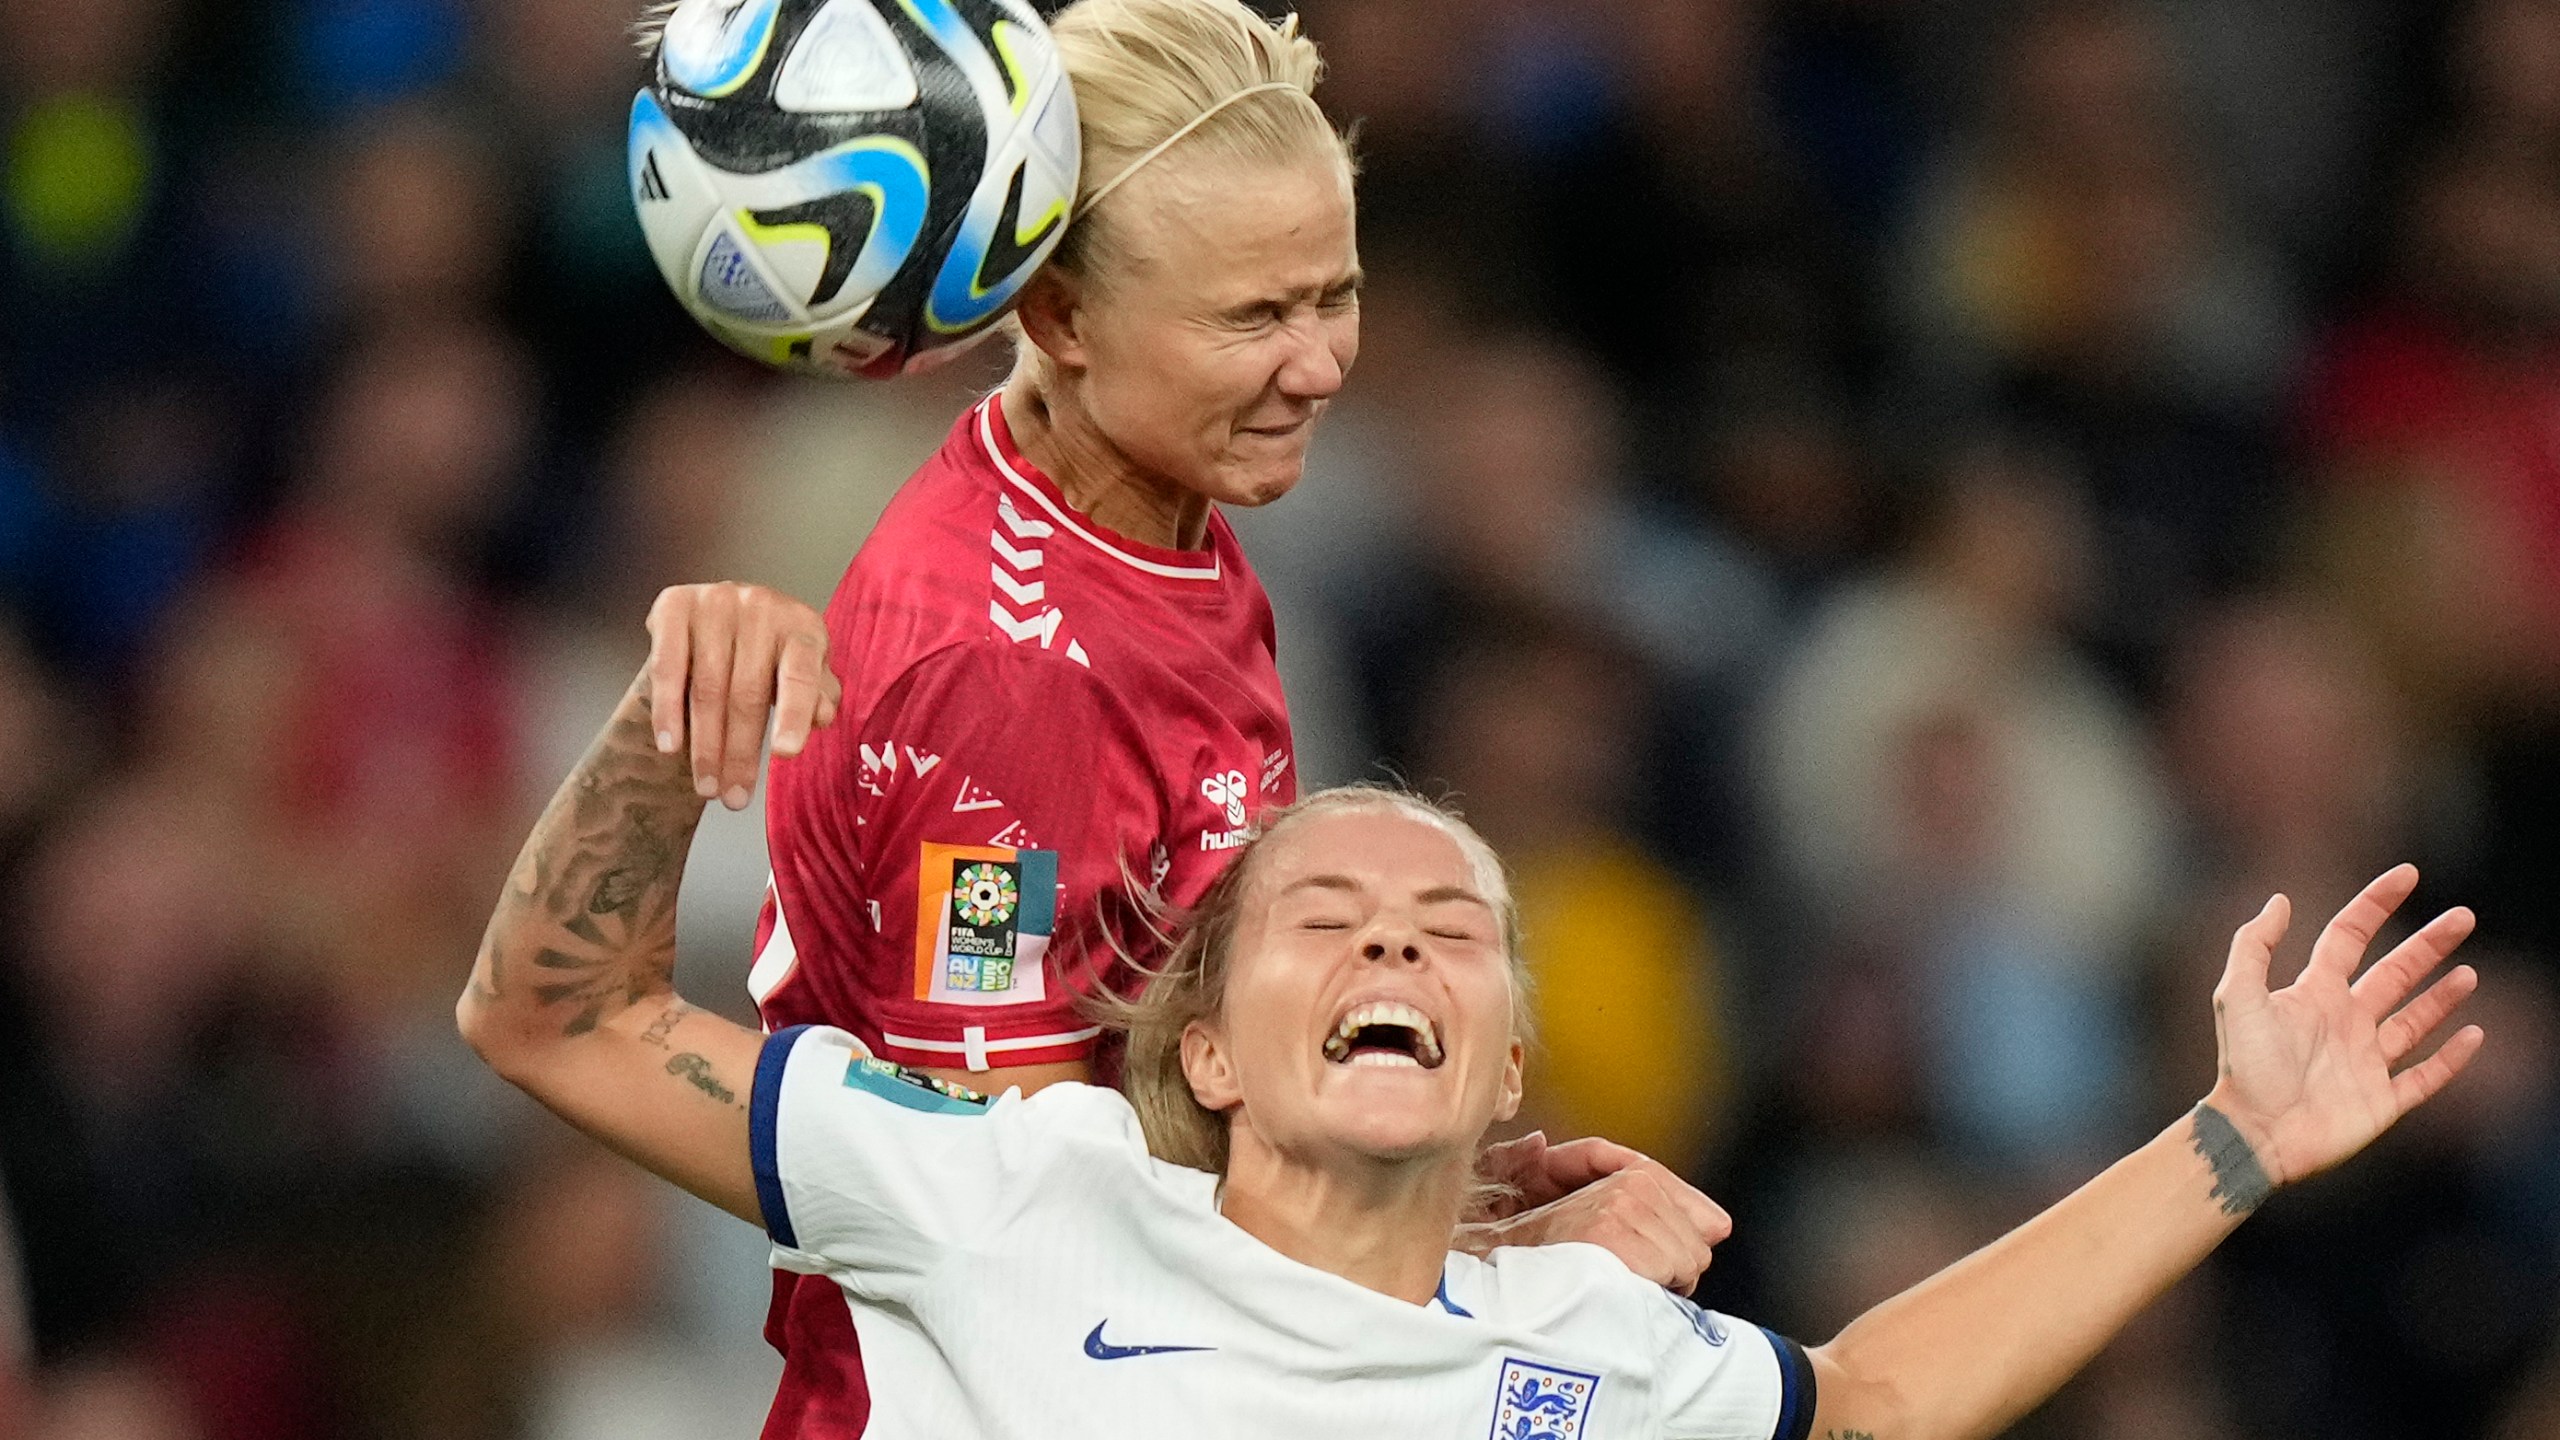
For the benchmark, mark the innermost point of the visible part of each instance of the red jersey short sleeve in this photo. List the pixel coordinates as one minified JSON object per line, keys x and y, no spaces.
{"x":1038,"y":715}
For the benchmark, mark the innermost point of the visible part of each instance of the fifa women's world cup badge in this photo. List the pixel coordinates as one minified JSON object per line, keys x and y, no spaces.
{"x":985,"y":895}
{"x":984,"y":914}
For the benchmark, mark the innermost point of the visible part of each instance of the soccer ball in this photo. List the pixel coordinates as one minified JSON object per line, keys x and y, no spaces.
{"x":853,"y":186}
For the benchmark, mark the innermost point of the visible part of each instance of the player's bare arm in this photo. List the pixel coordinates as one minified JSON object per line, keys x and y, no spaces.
{"x":572,"y":997}
{"x":2309,"y":1075}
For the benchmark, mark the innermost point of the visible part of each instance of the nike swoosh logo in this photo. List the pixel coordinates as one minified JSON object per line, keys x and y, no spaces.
{"x":1101,"y":1349}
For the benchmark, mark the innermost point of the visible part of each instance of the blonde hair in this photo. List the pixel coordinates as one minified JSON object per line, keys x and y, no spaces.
{"x":1209,"y":78}
{"x":1190,"y":984}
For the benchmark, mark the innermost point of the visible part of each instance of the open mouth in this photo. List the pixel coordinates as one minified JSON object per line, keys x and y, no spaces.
{"x":1384,"y":1033}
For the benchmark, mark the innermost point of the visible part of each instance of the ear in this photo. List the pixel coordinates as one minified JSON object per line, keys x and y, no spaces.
{"x":1051,"y":310}
{"x":1508,"y":1103}
{"x":1206,"y":1065}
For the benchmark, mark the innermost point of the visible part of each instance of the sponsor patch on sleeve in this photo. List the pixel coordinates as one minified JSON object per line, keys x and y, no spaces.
{"x":913,"y":1089}
{"x":984,"y":914}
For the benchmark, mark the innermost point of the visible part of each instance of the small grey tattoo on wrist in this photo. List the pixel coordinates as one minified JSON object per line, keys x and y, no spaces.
{"x":2239,"y":1181}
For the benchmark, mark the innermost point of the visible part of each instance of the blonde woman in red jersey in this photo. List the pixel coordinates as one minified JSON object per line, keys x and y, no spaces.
{"x":1058,"y":666}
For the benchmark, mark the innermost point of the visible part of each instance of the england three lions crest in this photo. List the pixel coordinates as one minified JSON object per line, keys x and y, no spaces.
{"x":1541,"y":1402}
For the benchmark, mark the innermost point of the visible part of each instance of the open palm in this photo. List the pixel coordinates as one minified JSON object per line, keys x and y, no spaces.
{"x":2308,"y":1071}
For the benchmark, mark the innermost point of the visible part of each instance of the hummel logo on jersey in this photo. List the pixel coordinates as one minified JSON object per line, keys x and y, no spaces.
{"x":1101,"y":1349}
{"x":653,"y":186}
{"x":1227,"y":790}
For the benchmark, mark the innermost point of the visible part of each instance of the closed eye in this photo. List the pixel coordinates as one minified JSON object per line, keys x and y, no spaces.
{"x":1256,"y":316}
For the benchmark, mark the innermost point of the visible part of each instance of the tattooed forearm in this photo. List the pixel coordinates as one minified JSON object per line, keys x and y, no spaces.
{"x":586,"y":926}
{"x":1848,"y":1435}
{"x":2239,"y":1181}
{"x":697,"y":1073}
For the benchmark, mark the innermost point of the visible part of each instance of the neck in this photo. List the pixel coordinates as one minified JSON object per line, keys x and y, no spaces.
{"x":1382,"y":1225}
{"x":1097,"y":477}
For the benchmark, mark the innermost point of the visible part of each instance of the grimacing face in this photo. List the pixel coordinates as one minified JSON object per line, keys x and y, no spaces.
{"x":1369,"y":1003}
{"x":1224,"y":324}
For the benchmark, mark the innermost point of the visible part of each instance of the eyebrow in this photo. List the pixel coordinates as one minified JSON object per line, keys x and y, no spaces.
{"x":1348,"y":285}
{"x":1437,"y":894}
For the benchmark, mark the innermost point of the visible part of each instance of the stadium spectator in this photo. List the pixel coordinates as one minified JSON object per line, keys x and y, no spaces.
{"x":1628,"y":988}
{"x":2070,"y":265}
{"x":1936,"y":761}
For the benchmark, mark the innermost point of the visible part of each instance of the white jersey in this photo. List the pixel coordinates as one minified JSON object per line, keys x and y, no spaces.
{"x":1024,"y":1268}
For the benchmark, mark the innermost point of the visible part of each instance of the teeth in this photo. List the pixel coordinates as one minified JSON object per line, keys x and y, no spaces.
{"x":1384,"y":1057}
{"x":1384,"y":1012}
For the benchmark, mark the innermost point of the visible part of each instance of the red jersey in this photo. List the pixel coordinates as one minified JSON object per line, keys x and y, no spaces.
{"x":1038,"y":713}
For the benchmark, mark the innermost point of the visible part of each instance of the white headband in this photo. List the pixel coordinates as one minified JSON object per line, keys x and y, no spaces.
{"x":1168,"y":142}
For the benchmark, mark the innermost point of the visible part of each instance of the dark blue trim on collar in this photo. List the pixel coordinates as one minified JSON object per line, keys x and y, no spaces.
{"x":1441,"y":1295}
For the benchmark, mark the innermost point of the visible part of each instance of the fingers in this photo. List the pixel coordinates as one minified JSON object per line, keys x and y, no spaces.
{"x":1635,"y":1215}
{"x":1686,"y":1250}
{"x":1576,"y":1163}
{"x":715,"y":630}
{"x":804,"y":693}
{"x":670,"y":655}
{"x":1647,"y":1222}
{"x":2253,"y":950}
{"x":2346,"y":937}
{"x":1517,"y":1163}
{"x":721,"y":658}
{"x":1703,"y":1215}
{"x":751,"y":690}
{"x":2418,"y":1084}
{"x":2404,"y":1032}
{"x":2390,"y":979}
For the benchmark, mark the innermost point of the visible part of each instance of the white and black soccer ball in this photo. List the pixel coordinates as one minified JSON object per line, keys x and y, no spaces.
{"x":853,"y":186}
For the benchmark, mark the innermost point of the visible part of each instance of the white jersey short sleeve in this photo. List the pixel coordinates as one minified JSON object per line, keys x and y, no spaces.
{"x":1700,"y":1396}
{"x":870,"y":1172}
{"x":1023,"y":1268}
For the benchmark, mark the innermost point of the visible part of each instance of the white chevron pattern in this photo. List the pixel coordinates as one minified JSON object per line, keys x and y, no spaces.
{"x":1019,"y":608}
{"x":1013,"y":521}
{"x":1018,"y":559}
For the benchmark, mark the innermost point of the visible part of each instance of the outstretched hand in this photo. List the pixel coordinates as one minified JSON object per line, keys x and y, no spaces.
{"x":722,"y":657}
{"x":2312,"y":1073}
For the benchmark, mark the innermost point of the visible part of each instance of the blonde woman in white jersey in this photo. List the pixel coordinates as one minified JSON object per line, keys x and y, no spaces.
{"x":1254,"y":1241}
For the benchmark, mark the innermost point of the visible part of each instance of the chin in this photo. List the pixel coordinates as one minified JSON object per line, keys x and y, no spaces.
{"x":1254,"y":497}
{"x":1390,"y":1135}
{"x":1256,"y":483}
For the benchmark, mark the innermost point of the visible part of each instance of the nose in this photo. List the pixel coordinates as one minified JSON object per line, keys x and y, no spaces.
{"x":1313,"y":368}
{"x":1378,"y":949}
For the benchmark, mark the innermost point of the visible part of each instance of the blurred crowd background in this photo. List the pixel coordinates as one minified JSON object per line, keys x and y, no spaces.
{"x":1904,"y":521}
